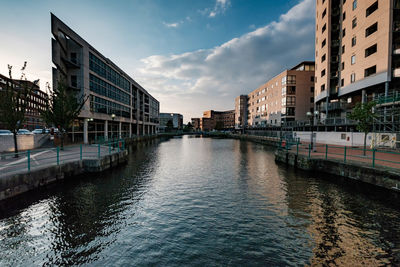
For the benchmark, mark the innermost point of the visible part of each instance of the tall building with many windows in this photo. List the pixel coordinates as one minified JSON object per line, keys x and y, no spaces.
{"x":117,"y":105}
{"x":357,"y":55}
{"x":287,"y":97}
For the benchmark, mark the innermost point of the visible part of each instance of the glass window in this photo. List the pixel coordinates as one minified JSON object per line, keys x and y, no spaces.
{"x":353,"y":41}
{"x":371,"y":29}
{"x":370,"y":71}
{"x":371,"y":9}
{"x":354,"y":4}
{"x":352,"y":77}
{"x":354,"y":23}
{"x":353,"y":59}
{"x":371,"y":50}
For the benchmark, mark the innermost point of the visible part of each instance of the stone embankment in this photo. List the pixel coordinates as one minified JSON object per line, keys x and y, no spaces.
{"x":18,"y":183}
{"x":388,"y":178}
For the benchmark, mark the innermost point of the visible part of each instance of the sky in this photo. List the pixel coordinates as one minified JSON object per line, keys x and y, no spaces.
{"x":192,"y":55}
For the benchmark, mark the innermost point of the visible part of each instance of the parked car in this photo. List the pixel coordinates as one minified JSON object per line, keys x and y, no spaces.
{"x":5,"y":132}
{"x":24,"y":131}
{"x":38,"y":131}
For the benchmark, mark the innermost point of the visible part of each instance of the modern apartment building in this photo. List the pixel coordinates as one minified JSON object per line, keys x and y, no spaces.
{"x":196,"y":123}
{"x":37,"y":102}
{"x":217,"y":120}
{"x":117,"y":106}
{"x":357,"y":55}
{"x":286,"y":97}
{"x":175,"y":118}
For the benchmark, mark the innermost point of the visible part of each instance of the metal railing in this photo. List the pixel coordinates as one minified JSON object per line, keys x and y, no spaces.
{"x":31,"y":159}
{"x":369,"y":157}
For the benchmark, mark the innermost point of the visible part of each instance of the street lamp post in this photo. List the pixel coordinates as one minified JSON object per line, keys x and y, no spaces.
{"x":112,"y":117}
{"x":311,"y":116}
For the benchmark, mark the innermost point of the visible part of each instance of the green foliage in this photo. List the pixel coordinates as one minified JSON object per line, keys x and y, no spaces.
{"x":63,"y":108}
{"x":14,"y":99}
{"x":363,"y":113}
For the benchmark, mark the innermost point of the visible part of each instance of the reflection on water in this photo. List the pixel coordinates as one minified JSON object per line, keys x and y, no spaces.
{"x":200,"y":201}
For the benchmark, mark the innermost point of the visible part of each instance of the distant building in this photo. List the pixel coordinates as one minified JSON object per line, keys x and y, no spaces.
{"x":286,"y":97}
{"x":196,"y":123}
{"x":217,"y":120}
{"x":241,"y":111}
{"x":175,"y":118}
{"x":117,"y":106}
{"x":37,"y":103}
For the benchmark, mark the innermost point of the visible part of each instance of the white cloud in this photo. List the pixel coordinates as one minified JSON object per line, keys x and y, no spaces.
{"x":211,"y":78}
{"x":172,"y":25}
{"x":220,"y":7}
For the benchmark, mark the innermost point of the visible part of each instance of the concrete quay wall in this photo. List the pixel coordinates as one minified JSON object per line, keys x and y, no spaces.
{"x":384,"y":178}
{"x":17,"y":184}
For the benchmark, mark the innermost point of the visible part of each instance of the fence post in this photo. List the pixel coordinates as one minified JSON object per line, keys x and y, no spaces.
{"x":80,"y":152}
{"x":309,"y":151}
{"x":98,"y":150}
{"x":373,"y":158}
{"x":326,"y":151}
{"x":345,"y":152}
{"x":118,"y":142}
{"x":28,"y":154}
{"x":109,"y":148}
{"x":58,"y":155}
{"x":297,"y":148}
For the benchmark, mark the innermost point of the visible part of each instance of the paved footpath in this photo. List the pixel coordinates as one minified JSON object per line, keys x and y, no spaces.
{"x":384,"y":158}
{"x":48,"y":157}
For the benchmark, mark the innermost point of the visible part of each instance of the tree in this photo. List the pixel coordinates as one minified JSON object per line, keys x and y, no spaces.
{"x":170,"y":125}
{"x":189,"y":126}
{"x":14,"y":100}
{"x":63,"y":108}
{"x":364,"y":115}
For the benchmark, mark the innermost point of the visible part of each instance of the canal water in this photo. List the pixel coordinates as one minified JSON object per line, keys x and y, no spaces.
{"x":200,"y":202}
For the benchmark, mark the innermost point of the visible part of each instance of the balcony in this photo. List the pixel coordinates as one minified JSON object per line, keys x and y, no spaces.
{"x":396,"y":26}
{"x":396,"y":73}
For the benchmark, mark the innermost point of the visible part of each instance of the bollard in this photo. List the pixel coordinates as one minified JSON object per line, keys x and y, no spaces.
{"x":309,"y":151}
{"x":98,"y":150}
{"x":80,"y":151}
{"x":28,"y":154}
{"x":58,"y":155}
{"x":297,"y":148}
{"x":109,"y":148}
{"x":373,"y":158}
{"x":326,"y":151}
{"x":345,"y":152}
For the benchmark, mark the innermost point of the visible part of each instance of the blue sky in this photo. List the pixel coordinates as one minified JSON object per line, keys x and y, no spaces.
{"x":191,"y":55}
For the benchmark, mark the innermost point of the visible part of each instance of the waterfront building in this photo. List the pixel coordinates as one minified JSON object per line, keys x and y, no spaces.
{"x":217,"y":120}
{"x":196,"y":124}
{"x":175,"y":118}
{"x":117,"y":107}
{"x":37,"y":102}
{"x":241,"y":111}
{"x":287,"y":97}
{"x":357,"y":53}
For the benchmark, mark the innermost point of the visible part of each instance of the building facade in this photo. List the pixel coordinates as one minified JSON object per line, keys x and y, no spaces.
{"x":175,"y":118}
{"x":241,"y":111}
{"x":285,"y":98}
{"x":37,"y":103}
{"x":117,"y":106}
{"x":196,"y":123}
{"x":357,"y":56}
{"x":217,"y":120}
